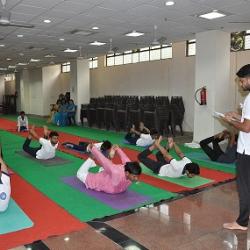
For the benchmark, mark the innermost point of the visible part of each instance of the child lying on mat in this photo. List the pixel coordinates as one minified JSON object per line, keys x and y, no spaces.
{"x":5,"y":188}
{"x":105,"y":147}
{"x":143,"y":138}
{"x":22,"y":122}
{"x":215,"y":153}
{"x":166,"y":165}
{"x":48,"y":147}
{"x":115,"y":178}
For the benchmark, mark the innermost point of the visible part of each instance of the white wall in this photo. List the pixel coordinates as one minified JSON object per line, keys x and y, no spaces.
{"x":54,"y":83}
{"x":33,"y":91}
{"x":164,"y":77}
{"x":2,"y":88}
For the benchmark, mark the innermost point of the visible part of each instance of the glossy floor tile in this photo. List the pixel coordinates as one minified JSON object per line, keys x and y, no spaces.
{"x":194,"y":222}
{"x":88,"y":239}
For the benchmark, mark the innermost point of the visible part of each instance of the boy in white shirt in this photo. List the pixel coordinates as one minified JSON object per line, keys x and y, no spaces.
{"x":166,"y":165}
{"x":5,"y":188}
{"x":48,"y":147}
{"x":22,"y":122}
{"x":142,"y":138}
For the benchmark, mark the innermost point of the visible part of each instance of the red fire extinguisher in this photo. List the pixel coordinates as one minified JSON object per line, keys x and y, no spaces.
{"x":203,"y":96}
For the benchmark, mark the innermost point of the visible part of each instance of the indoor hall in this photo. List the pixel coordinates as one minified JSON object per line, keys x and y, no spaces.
{"x":114,"y":124}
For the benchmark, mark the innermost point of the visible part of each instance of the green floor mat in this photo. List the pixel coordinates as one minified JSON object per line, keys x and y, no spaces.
{"x":184,"y":181}
{"x":48,"y":181}
{"x":85,"y":132}
{"x":13,"y":219}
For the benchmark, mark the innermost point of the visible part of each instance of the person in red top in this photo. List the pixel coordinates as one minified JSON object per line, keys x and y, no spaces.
{"x":115,"y":178}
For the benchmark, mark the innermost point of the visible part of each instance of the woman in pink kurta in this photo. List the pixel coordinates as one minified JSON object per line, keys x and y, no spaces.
{"x":115,"y":178}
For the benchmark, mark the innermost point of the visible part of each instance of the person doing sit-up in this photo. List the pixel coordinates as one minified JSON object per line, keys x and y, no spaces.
{"x":104,"y":147}
{"x":5,"y":188}
{"x":115,"y":178}
{"x":143,"y":138}
{"x":215,"y":153}
{"x":47,"y":149}
{"x":166,"y":165}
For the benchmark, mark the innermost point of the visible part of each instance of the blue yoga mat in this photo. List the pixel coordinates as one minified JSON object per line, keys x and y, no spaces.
{"x":14,"y":219}
{"x":203,"y":157}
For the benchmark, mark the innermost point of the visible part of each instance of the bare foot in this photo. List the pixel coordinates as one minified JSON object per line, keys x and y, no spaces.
{"x":170,"y":142}
{"x":141,"y":126}
{"x":45,"y":130}
{"x":234,"y":226}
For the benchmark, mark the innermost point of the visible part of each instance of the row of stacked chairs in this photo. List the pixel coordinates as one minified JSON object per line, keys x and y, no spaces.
{"x":120,"y":112}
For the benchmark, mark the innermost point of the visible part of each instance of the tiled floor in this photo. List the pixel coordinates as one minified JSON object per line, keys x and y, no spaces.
{"x":190,"y":223}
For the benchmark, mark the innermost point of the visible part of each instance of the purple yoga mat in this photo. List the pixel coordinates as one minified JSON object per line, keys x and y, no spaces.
{"x":122,"y":201}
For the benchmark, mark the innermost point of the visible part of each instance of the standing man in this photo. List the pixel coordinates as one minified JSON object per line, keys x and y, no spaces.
{"x":242,"y":123}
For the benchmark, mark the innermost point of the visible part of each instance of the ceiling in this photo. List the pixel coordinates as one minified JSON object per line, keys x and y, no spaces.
{"x":114,"y":18}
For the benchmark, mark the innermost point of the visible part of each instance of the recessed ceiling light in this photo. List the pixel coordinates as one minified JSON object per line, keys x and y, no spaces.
{"x":50,"y":55}
{"x":8,"y":59}
{"x":212,"y":15}
{"x":22,"y":64}
{"x":35,"y":60}
{"x":12,"y":66}
{"x":95,"y":28}
{"x":66,"y":239}
{"x":3,"y":69}
{"x":169,"y":3}
{"x":134,"y":34}
{"x":21,"y":54}
{"x":46,"y":21}
{"x":61,"y":39}
{"x":2,"y":45}
{"x":96,"y":43}
{"x":70,"y":50}
{"x":20,"y":35}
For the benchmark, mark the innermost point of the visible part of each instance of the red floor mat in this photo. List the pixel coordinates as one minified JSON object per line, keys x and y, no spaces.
{"x":49,"y":219}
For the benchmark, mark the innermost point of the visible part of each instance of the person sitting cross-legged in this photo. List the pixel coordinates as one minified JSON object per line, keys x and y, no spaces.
{"x":115,"y":178}
{"x":166,"y":165}
{"x":47,"y":149}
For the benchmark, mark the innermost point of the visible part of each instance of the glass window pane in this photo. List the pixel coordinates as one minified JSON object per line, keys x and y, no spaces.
{"x":155,"y":54}
{"x":247,"y":42}
{"x":155,"y":47}
{"x":143,"y":49}
{"x":191,"y":49}
{"x":110,"y":61}
{"x":119,"y":60}
{"x":94,"y":64}
{"x":127,"y":58}
{"x":144,"y":56}
{"x":90,"y":65}
{"x":166,"y":53}
{"x":135,"y":57}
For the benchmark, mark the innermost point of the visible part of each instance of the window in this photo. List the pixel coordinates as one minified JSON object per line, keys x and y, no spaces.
{"x":191,"y":47}
{"x":110,"y":60}
{"x":140,"y":55}
{"x":167,"y":51}
{"x":93,"y":62}
{"x":65,"y":67}
{"x":247,"y":40}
